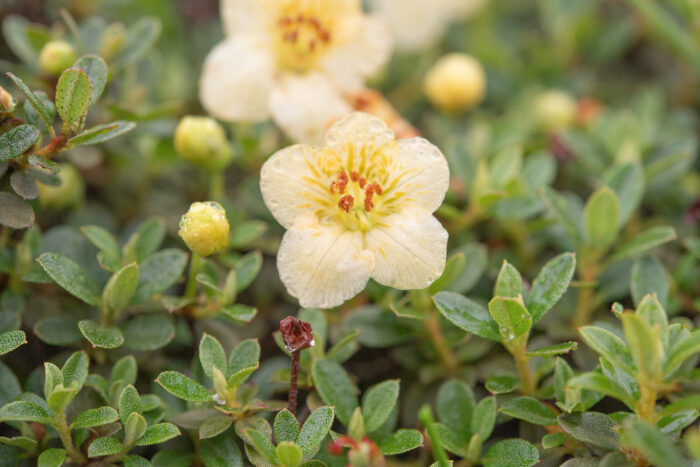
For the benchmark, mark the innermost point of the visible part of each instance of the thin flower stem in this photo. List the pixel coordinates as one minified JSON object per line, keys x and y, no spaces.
{"x":195,"y":266}
{"x":584,"y":307}
{"x":64,"y":433}
{"x":293,"y":389}
{"x":216,"y":185}
{"x":438,"y":339}
{"x":528,"y":385}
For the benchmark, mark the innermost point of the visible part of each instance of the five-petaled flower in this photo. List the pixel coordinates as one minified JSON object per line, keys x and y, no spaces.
{"x":293,"y":60}
{"x":359,"y":207}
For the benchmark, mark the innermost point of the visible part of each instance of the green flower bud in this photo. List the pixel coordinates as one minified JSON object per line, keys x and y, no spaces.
{"x":70,"y":191}
{"x":7,"y":103}
{"x":204,"y":228}
{"x":56,"y":56}
{"x":555,"y":110}
{"x":112,"y":41}
{"x":202,"y":142}
{"x":455,"y":83}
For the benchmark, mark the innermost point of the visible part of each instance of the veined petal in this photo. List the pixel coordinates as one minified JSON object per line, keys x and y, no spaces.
{"x":291,"y":183}
{"x":409,"y":250}
{"x":358,"y":132}
{"x":350,"y":63}
{"x":419,"y":176}
{"x":305,"y":106}
{"x":237,"y":80}
{"x":323,"y":265}
{"x":244,"y":17}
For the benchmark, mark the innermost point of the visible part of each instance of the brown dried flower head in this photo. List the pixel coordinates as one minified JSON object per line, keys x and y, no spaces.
{"x":296,"y":333}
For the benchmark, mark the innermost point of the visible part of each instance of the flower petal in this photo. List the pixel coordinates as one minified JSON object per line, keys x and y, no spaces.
{"x":414,"y":24}
{"x":323,"y":265}
{"x":409,"y":250}
{"x":419,"y":175}
{"x":291,"y":185}
{"x":237,"y":80}
{"x":244,"y":17}
{"x":304,"y":106}
{"x":350,"y":63}
{"x":359,"y":130}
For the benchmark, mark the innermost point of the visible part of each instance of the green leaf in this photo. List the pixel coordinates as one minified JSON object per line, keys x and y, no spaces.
{"x":246,"y":232}
{"x":99,"y":335}
{"x":315,"y":428}
{"x":158,"y":272}
{"x":221,"y":451}
{"x":95,"y":68}
{"x":149,"y":332}
{"x":35,"y":102}
{"x":240,"y":376}
{"x":553,"y":440}
{"x":511,"y":453}
{"x":75,"y":370}
{"x":289,"y":454}
{"x":53,"y":457}
{"x":563,"y":212}
{"x":69,"y":275}
{"x":158,"y":433}
{"x":484,"y":417}
{"x":149,"y":236}
{"x":687,"y":403}
{"x":450,"y":439}
{"x":403,"y":440}
{"x":247,"y":269}
{"x":24,"y":184}
{"x":591,"y":427}
{"x":10,"y":340}
{"x":136,"y":461}
{"x":140,"y":38}
{"x":648,"y":440}
{"x":58,"y":330}
{"x":73,"y":93}
{"x":263,"y":445}
{"x":654,"y":314}
{"x":103,"y":240}
{"x":60,"y":397}
{"x":15,"y":142}
{"x":454,"y":406}
{"x":335,"y":388}
{"x":476,"y":257}
{"x":134,"y":428}
{"x":650,"y":238}
{"x":102,"y":133}
{"x":509,"y":283}
{"x":211,"y":354}
{"x":378,"y":402}
{"x":129,"y":402}
{"x":104,"y":446}
{"x":511,"y":316}
{"x":550,"y":284}
{"x":685,"y":348}
{"x":183,"y":387}
{"x":645,"y":345}
{"x":95,"y":417}
{"x":453,"y":267}
{"x":648,"y":277}
{"x":467,"y":315}
{"x":120,"y":289}
{"x":239,"y":313}
{"x":628,"y":183}
{"x":214,"y":426}
{"x":286,"y":426}
{"x":675,"y":422}
{"x":609,"y":346}
{"x":502,"y":384}
{"x":529,"y":409}
{"x":601,"y":383}
{"x":24,"y":411}
{"x":52,"y":378}
{"x":553,"y":350}
{"x":244,"y":355}
{"x":124,"y":370}
{"x":16,"y":213}
{"x":601,"y":219}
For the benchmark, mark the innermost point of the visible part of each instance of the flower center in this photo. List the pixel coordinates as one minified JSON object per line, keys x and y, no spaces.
{"x":356,"y":198}
{"x":303,"y":38}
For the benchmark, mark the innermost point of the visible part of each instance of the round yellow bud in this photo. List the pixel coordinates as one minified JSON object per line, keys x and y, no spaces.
{"x":455,"y":82}
{"x":202,"y":142}
{"x":68,"y":193}
{"x":204,"y":228}
{"x":56,"y":56}
{"x":555,"y":110}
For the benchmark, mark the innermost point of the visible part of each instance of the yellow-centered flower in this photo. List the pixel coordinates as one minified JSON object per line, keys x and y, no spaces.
{"x":292,"y":60}
{"x":359,"y":207}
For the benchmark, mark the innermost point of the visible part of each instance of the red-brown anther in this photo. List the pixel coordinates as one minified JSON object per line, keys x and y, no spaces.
{"x":342,"y":177}
{"x":297,"y":334}
{"x":368,"y":204}
{"x":332,"y":187}
{"x":377,"y":189}
{"x":315,"y":23}
{"x":354,"y":176}
{"x":312,"y":46}
{"x":362,"y":182}
{"x":324,"y":35}
{"x":346,"y":202}
{"x":369,"y":191}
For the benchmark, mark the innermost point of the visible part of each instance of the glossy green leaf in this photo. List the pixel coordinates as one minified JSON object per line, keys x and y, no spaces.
{"x":120,"y":289}
{"x":609,"y":346}
{"x":95,"y":68}
{"x":644,"y":343}
{"x":158,"y":272}
{"x":129,"y":402}
{"x":315,"y":428}
{"x":378,"y":402}
{"x":289,"y":454}
{"x":247,"y":269}
{"x":53,"y":457}
{"x":95,"y":417}
{"x":502,"y":384}
{"x":553,"y":350}
{"x":214,"y":426}
{"x":529,"y":409}
{"x":286,"y":426}
{"x":682,"y":350}
{"x":69,"y":275}
{"x":99,"y":335}
{"x":602,"y":384}
{"x":335,"y":388}
{"x":648,"y":440}
{"x":73,"y":93}
{"x":550,"y":284}
{"x":148,"y":332}
{"x":511,"y":316}
{"x":453,"y":268}
{"x":263,"y":445}
{"x":484,"y":417}
{"x":104,"y":446}
{"x":601,"y":217}
{"x":645,"y":241}
{"x":509,"y":283}
{"x":158,"y":433}
{"x":511,"y":453}
{"x":183,"y":387}
{"x":454,"y":405}
{"x":244,"y":355}
{"x":648,"y":277}
{"x":467,"y":315}
{"x":24,"y":411}
{"x":15,"y":142}
{"x":402,"y":440}
{"x":103,"y":240}
{"x":221,"y":451}
{"x":211,"y":354}
{"x":591,"y":427}
{"x":10,"y":340}
{"x":32,"y":98}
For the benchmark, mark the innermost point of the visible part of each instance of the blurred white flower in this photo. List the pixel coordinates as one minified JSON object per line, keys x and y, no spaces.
{"x":292,"y":60}
{"x":417,"y":24}
{"x":359,"y":207}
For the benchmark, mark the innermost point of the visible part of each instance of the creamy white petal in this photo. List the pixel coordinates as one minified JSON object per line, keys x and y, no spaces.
{"x":350,"y":63}
{"x":358,"y":129}
{"x":244,"y":17}
{"x":323,"y":265}
{"x":409,"y":250}
{"x":289,"y":183}
{"x":419,"y":176}
{"x":415,"y":24}
{"x":237,"y":80}
{"x":305,"y":106}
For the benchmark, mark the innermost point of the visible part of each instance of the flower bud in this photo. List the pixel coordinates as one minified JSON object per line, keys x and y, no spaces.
{"x":204,"y":228}
{"x":112,"y":41}
{"x":7,"y":103}
{"x":297,"y":334}
{"x":555,"y":110}
{"x":56,"y":56}
{"x":202,"y":142}
{"x":455,"y":82}
{"x":70,"y":192}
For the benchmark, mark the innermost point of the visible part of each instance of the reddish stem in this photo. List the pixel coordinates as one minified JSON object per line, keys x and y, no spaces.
{"x":292,"y":401}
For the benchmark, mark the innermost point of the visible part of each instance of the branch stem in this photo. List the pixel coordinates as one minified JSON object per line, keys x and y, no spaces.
{"x":293,"y":389}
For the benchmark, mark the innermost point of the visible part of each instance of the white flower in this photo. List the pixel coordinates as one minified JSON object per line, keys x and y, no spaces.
{"x":417,"y":24}
{"x":359,"y":207}
{"x":292,"y":60}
